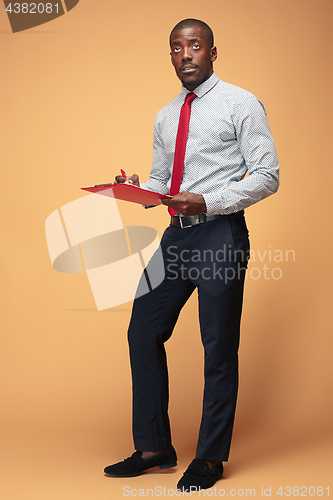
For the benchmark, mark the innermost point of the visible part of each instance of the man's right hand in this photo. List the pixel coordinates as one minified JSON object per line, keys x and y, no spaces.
{"x":134,"y":179}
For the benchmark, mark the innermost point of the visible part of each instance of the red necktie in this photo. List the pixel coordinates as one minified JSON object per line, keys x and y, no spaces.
{"x":178,"y":162}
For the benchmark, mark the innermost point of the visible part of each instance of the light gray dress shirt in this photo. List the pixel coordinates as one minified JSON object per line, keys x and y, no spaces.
{"x":228,"y":137}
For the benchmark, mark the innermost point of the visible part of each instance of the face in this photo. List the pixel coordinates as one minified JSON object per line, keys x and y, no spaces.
{"x":191,"y":56}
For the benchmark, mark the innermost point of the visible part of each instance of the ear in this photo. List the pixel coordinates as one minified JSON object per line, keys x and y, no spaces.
{"x":213,"y":54}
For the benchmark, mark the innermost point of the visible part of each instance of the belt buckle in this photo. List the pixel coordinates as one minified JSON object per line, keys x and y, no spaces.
{"x":197,"y":220}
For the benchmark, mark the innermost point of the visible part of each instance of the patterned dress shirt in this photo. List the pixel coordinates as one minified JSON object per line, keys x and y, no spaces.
{"x":228,"y":138}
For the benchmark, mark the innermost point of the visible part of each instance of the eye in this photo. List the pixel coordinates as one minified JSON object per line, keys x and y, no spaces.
{"x":176,"y":49}
{"x":196,"y":46}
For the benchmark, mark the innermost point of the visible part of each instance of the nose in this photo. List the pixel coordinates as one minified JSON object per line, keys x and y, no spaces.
{"x":186,"y":56}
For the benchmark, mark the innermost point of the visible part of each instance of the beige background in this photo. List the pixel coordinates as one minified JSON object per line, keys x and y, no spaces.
{"x":78,"y":99}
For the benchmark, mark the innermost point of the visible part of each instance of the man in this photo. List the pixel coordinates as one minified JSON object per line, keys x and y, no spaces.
{"x":205,"y":247}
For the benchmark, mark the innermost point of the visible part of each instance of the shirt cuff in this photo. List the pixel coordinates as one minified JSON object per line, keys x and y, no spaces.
{"x":213,"y":204}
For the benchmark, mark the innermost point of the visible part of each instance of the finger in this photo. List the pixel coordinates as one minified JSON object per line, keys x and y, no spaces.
{"x":119,"y":179}
{"x":134,"y":179}
{"x":166,"y":201}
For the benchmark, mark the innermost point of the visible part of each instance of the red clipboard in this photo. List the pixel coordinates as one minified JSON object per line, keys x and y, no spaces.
{"x":128,"y":192}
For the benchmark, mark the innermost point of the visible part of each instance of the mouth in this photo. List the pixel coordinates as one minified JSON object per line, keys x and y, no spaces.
{"x":188,"y":68}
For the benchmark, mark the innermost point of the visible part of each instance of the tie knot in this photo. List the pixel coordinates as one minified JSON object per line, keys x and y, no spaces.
{"x":190,"y":96}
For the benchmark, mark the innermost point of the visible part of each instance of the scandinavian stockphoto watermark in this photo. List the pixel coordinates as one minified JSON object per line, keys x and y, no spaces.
{"x":226,"y":263}
{"x":87,"y":236}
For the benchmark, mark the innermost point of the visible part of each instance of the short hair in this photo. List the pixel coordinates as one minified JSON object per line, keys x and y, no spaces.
{"x":189,"y":23}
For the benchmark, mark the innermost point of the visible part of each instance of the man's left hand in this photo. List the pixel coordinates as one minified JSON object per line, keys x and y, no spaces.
{"x":186,"y":203}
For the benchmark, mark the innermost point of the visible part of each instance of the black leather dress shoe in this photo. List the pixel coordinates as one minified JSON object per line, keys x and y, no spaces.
{"x":199,"y":476}
{"x":136,"y":465}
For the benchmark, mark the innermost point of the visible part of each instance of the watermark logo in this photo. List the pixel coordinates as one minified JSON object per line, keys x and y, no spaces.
{"x":226,"y":263}
{"x":87,"y":235}
{"x":26,"y":15}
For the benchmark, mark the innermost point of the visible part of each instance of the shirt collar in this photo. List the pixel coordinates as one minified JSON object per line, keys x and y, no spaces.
{"x":205,"y":87}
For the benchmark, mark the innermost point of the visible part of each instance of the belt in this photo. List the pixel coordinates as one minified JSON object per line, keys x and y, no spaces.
{"x":192,"y":220}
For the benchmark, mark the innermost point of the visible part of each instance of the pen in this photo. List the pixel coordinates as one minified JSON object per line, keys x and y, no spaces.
{"x":123,"y":173}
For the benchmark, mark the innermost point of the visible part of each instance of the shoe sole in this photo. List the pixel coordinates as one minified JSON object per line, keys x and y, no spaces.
{"x":167,"y":466}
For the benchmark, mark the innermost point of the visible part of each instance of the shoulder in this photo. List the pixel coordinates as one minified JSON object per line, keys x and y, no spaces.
{"x":237,"y":98}
{"x":175,"y":103}
{"x":172,"y":109}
